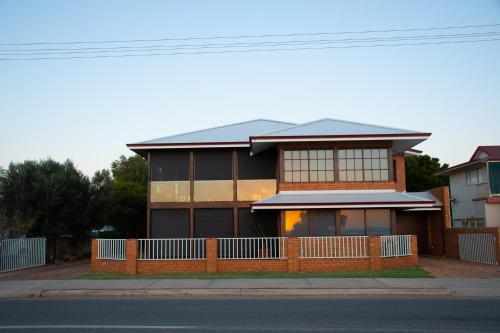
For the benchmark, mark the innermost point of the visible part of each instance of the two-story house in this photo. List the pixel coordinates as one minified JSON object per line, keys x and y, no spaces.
{"x":271,"y":178}
{"x":475,"y":189}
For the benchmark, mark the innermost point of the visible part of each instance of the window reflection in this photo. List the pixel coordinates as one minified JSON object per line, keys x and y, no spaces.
{"x":296,"y":223}
{"x":255,"y":189}
{"x":170,"y":191}
{"x":213,"y":190}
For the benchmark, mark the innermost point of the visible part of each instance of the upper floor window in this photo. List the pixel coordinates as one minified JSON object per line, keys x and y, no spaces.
{"x":308,"y":165}
{"x":476,"y":176}
{"x":363,"y":165}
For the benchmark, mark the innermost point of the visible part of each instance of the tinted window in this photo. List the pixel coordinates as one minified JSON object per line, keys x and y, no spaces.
{"x":213,"y":165}
{"x":352,"y":222}
{"x":378,"y":222}
{"x":297,"y":223}
{"x":260,"y":166}
{"x":213,"y":222}
{"x":322,"y":222}
{"x":171,"y":165}
{"x":169,"y":223}
{"x":257,"y":224}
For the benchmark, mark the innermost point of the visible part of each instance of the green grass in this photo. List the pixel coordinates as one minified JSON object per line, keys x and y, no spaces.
{"x":414,"y":272}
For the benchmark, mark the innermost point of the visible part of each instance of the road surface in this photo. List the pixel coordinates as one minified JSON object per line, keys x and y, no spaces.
{"x":240,"y":314}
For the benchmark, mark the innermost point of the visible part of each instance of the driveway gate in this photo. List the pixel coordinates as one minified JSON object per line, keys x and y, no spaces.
{"x":478,"y":248}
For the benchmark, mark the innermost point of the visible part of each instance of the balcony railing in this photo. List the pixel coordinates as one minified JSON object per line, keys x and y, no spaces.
{"x":252,"y":248}
{"x":334,"y":247}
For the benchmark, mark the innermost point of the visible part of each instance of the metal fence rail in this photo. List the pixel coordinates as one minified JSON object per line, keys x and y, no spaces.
{"x":113,"y":249}
{"x":172,"y":249}
{"x":395,"y":246}
{"x":21,"y":253}
{"x":478,"y":248}
{"x":252,"y":248}
{"x":334,"y":247}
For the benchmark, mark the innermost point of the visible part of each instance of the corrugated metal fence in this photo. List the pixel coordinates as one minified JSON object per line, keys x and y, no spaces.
{"x":21,"y":253}
{"x":478,"y":248}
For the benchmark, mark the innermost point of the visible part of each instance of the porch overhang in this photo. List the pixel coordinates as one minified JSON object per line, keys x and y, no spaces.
{"x":346,"y":199}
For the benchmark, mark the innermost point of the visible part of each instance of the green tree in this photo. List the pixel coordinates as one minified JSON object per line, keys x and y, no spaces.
{"x":420,"y":173}
{"x":129,"y":196}
{"x":44,"y":198}
{"x":99,"y":205}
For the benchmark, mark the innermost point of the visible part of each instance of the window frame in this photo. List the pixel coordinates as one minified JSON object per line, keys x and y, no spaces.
{"x":307,"y":170}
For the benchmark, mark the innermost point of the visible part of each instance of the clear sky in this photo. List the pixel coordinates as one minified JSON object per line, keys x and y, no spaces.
{"x":88,"y":109}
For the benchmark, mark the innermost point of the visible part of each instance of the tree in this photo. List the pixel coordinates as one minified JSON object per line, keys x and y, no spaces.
{"x":129,"y":196}
{"x":420,"y":173}
{"x":44,"y":198}
{"x":99,"y":205}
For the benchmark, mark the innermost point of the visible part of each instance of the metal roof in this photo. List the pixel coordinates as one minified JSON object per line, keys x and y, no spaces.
{"x":340,"y":199}
{"x":238,"y":132}
{"x":328,"y":126}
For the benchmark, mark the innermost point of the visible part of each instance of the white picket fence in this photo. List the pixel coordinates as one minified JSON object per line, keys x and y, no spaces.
{"x":395,"y":246}
{"x":252,"y":248}
{"x":334,"y":247}
{"x":172,"y":249}
{"x":479,"y":248}
{"x":21,"y":253}
{"x":113,"y":249}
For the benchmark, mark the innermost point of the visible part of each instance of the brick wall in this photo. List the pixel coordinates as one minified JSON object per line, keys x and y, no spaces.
{"x":451,"y":238}
{"x":293,"y":262}
{"x":443,"y":194}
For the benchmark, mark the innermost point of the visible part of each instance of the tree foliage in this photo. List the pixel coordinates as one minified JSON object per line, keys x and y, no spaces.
{"x":420,"y":173}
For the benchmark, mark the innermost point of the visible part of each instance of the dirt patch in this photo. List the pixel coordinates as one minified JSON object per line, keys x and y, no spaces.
{"x":49,"y":272}
{"x":453,"y":268}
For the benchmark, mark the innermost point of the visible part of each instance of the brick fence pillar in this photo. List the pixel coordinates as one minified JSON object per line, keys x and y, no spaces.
{"x":93,"y":255}
{"x":131,"y":256}
{"x":375,"y":253}
{"x":414,"y":249}
{"x":293,"y":253}
{"x":211,"y":252}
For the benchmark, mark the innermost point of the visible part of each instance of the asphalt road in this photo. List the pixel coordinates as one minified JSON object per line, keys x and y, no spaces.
{"x":228,"y":314}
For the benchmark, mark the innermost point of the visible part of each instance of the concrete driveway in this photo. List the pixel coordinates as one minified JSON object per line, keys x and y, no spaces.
{"x":49,"y":272}
{"x":453,"y":268}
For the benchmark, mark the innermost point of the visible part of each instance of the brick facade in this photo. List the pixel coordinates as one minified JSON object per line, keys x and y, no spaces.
{"x":292,"y":263}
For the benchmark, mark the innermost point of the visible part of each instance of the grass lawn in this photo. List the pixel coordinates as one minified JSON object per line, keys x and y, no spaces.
{"x":414,"y":272}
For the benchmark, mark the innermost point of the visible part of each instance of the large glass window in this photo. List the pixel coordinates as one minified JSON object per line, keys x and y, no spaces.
{"x":213,"y":222}
{"x":322,"y":222}
{"x":378,"y":222}
{"x":170,"y":166}
{"x":296,"y":223}
{"x":476,"y":176}
{"x":213,"y":190}
{"x":253,"y":190}
{"x":213,"y":165}
{"x":169,"y":223}
{"x":363,"y":165}
{"x":257,"y":224}
{"x":171,"y":191}
{"x":260,"y":166}
{"x":308,"y":165}
{"x":352,"y":222}
{"x":494,"y":176}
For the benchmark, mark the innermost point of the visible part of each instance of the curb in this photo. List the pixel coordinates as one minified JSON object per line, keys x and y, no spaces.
{"x":225,"y":292}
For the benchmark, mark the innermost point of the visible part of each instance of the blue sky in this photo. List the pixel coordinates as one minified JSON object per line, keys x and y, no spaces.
{"x":88,"y":109}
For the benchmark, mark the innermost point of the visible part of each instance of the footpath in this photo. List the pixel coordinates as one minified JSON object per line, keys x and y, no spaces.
{"x":460,"y":287}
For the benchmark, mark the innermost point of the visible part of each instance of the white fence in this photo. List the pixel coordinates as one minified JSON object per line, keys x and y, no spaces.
{"x":113,"y":249}
{"x":172,"y":249}
{"x":252,"y":248}
{"x":21,"y":253}
{"x":334,"y":247}
{"x":478,"y":248}
{"x":395,"y":246}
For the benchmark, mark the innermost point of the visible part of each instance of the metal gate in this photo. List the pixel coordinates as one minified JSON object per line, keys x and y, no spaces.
{"x":21,"y":253}
{"x":478,"y":248}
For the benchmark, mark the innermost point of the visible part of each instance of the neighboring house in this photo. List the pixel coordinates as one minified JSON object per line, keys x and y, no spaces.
{"x":270,"y":178}
{"x":475,"y":189}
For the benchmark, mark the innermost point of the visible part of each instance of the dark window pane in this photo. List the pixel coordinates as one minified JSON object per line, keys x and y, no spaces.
{"x":169,"y":223}
{"x":169,"y":166}
{"x":213,"y":165}
{"x":260,"y":166}
{"x":322,"y":222}
{"x":378,"y":222}
{"x":352,"y":222}
{"x":494,"y":177}
{"x":257,"y":224}
{"x":213,"y":222}
{"x":297,"y":223}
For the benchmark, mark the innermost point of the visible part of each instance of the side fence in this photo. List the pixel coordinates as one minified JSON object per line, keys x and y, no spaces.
{"x":21,"y":253}
{"x":292,"y":254}
{"x":480,"y":245}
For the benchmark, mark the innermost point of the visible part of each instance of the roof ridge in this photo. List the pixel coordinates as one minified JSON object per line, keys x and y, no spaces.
{"x":343,"y":121}
{"x":216,"y":127}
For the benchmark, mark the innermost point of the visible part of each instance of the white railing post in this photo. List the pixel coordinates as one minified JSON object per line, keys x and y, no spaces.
{"x":252,"y":248}
{"x":172,"y":249}
{"x":333,"y":247}
{"x":395,"y":246}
